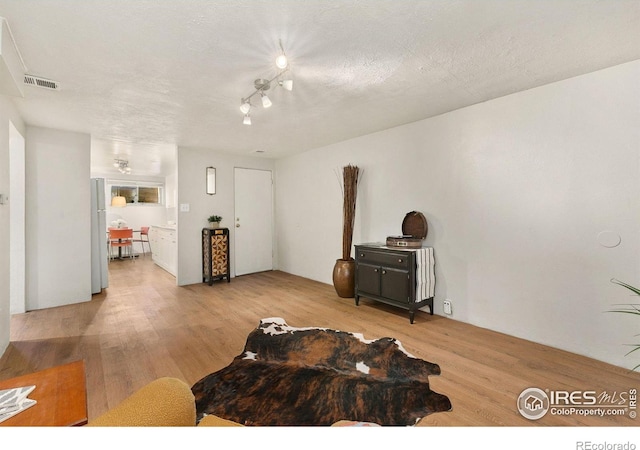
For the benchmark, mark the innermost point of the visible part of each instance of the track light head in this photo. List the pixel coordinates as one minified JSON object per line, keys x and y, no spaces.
{"x":282,"y":62}
{"x":247,"y":119}
{"x":287,"y":84}
{"x":266,"y":102}
{"x":245,"y":106}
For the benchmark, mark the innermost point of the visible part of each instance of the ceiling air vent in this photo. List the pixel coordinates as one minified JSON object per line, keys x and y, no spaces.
{"x":41,"y":82}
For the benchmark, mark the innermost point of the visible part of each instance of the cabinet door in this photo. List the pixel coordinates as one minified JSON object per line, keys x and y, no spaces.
{"x":157,"y":244}
{"x":171,"y":258}
{"x":394,"y":284}
{"x":163,"y":248}
{"x":368,"y":279}
{"x":153,"y":242}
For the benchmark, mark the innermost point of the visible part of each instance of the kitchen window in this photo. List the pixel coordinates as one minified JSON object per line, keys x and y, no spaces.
{"x":142,"y":193}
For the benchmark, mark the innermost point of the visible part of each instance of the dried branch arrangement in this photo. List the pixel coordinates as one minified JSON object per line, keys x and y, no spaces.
{"x":350,"y":176}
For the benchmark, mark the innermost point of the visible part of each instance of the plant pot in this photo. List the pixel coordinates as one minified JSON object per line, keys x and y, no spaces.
{"x":214,"y":224}
{"x":344,"y":277}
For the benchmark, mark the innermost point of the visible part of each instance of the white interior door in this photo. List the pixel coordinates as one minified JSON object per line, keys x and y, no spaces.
{"x":253,"y":222}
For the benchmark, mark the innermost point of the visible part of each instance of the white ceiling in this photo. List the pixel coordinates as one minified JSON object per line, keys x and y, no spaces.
{"x":145,"y":76}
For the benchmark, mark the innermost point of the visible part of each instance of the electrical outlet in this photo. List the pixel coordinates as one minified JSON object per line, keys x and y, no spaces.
{"x":447,"y":307}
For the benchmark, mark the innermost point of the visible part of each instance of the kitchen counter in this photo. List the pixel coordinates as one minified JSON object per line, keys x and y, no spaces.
{"x":166,"y":226}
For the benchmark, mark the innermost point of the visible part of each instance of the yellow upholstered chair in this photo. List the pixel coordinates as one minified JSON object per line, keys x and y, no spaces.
{"x":165,"y":402}
{"x":168,"y":402}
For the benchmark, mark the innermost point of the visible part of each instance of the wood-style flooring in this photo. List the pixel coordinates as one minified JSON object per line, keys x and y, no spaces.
{"x":144,"y":327}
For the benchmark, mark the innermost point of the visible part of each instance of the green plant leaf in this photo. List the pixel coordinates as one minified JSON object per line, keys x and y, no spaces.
{"x":626,"y":311}
{"x":625,"y":285}
{"x":631,"y":351}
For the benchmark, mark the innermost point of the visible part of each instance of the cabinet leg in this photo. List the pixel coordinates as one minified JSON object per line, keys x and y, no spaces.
{"x":357,"y":298}
{"x":412,"y":315}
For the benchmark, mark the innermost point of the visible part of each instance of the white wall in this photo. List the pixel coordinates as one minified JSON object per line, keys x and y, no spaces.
{"x":8,"y":114}
{"x":516,"y":192}
{"x":58,"y":218}
{"x":192,"y":164}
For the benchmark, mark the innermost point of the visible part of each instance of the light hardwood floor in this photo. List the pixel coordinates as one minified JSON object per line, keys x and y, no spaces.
{"x":144,"y":327}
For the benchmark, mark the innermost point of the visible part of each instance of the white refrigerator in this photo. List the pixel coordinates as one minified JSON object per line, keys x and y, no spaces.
{"x":99,"y":254}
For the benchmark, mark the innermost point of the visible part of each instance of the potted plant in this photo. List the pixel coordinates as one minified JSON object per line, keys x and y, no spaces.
{"x":214,"y":221}
{"x":630,"y":308}
{"x":344,"y":269}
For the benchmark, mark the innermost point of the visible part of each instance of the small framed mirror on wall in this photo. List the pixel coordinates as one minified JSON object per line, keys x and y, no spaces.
{"x":211,"y":180}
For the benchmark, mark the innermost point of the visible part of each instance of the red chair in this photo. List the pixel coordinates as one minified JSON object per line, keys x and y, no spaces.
{"x":144,"y":238}
{"x":121,"y":238}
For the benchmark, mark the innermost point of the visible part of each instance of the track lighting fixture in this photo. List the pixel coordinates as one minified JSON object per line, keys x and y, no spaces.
{"x":262,"y":85}
{"x":122,"y":166}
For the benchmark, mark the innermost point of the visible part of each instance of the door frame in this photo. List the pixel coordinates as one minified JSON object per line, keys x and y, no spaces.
{"x":17,"y":215}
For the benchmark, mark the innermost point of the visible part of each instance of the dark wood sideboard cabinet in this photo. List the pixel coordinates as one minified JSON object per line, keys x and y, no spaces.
{"x":398,"y":277}
{"x":216,"y":263}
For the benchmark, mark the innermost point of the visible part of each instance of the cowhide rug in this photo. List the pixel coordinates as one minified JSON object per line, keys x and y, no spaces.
{"x":317,"y":376}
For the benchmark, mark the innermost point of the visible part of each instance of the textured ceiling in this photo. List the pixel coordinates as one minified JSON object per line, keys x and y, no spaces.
{"x":143,"y":76}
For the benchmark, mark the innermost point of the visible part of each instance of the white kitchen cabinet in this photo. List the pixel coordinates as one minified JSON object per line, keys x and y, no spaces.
{"x":164,"y":249}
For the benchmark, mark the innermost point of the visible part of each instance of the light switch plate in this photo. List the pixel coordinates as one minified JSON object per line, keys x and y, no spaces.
{"x":184,"y":207}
